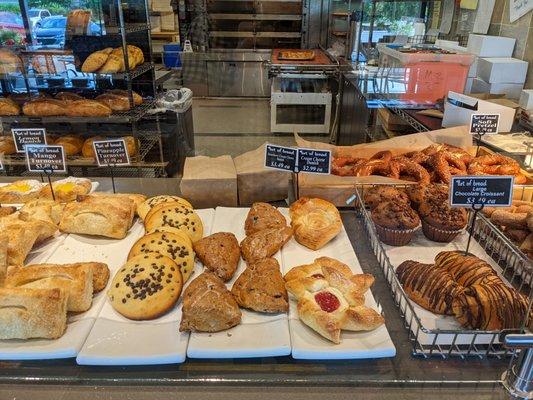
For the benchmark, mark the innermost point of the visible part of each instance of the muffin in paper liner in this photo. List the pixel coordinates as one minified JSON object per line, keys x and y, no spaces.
{"x":395,"y":237}
{"x":439,"y":235}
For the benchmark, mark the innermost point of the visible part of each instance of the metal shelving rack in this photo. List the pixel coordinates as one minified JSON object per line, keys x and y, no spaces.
{"x":121,"y":23}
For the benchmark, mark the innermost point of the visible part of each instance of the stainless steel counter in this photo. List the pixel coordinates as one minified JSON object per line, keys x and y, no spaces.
{"x":401,"y":377}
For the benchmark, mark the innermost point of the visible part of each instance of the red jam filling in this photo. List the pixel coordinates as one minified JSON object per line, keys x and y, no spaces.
{"x":328,"y":302}
{"x":317,"y":276}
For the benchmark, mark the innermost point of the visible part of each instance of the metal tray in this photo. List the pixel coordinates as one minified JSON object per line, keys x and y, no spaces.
{"x":516,"y":268}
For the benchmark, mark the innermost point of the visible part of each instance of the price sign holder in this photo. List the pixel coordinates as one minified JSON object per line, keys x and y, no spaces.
{"x":48,"y":159}
{"x":297,"y":160}
{"x":483,"y":124}
{"x":111,"y":153}
{"x":477,"y":191}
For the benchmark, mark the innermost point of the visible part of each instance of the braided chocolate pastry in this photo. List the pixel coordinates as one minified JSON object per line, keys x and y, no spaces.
{"x":429,"y":287}
{"x":490,"y":307}
{"x":466,"y":270}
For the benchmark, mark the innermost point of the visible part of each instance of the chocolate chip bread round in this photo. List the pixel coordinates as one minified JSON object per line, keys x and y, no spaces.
{"x":146,"y":287}
{"x":158,"y":207}
{"x":145,"y":207}
{"x":376,"y":195}
{"x":170,"y":229}
{"x":176,"y":216}
{"x":170,"y":245}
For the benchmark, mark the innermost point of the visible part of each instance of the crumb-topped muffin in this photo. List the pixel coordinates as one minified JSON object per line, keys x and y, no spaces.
{"x":396,"y":222}
{"x":376,"y":195}
{"x":417,"y":193}
{"x":440,"y":222}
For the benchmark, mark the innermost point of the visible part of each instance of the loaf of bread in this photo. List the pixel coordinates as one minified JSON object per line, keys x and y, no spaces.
{"x":137,"y":98}
{"x":87,"y":108}
{"x":8,"y":107}
{"x":9,"y":62}
{"x":88,"y":149}
{"x":44,"y":107}
{"x":32,"y":313}
{"x":72,"y":144}
{"x":68,"y":96}
{"x":113,"y":64}
{"x":7,"y":145}
{"x":96,"y":60}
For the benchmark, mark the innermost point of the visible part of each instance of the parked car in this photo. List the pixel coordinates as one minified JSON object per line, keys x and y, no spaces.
{"x":12,"y":22}
{"x":52,"y":31}
{"x":36,"y":15}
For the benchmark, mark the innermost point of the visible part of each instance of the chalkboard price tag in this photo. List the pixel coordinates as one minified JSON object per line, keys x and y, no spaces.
{"x":280,"y":157}
{"x":314,"y":161}
{"x":44,"y":158}
{"x":24,"y":136}
{"x":484,"y":124}
{"x":111,"y":153}
{"x":491,"y":191}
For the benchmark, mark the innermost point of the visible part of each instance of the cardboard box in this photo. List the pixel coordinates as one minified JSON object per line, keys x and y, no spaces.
{"x":458,"y":109}
{"x":490,"y":46}
{"x":155,"y":23}
{"x":526,"y":99}
{"x":502,"y":70}
{"x":168,"y":22}
{"x":209,"y":182}
{"x":510,"y":90}
{"x":161,"y":6}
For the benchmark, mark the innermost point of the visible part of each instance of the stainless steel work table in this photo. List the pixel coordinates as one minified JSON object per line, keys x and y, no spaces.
{"x":403,"y":376}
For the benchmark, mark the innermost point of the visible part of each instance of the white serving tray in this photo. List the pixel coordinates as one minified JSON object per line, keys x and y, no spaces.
{"x":116,"y":340}
{"x":429,"y":320}
{"x":309,"y":345}
{"x":73,"y":248}
{"x":258,"y":334}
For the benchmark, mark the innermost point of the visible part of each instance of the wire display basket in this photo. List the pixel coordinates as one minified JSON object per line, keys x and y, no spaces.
{"x":459,"y":342}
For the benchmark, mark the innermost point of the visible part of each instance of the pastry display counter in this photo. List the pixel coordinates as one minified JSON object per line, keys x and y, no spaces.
{"x":474,"y":375}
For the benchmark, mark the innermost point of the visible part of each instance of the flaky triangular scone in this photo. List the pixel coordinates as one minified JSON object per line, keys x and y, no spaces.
{"x":219,"y":253}
{"x":261,"y":288}
{"x":264,"y":243}
{"x":208,"y":306}
{"x":263,"y":216}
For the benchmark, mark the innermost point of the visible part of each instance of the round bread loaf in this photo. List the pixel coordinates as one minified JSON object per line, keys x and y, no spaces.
{"x":169,"y":245}
{"x":146,"y":287}
{"x":88,"y":150}
{"x":177,"y":216}
{"x":150,"y":203}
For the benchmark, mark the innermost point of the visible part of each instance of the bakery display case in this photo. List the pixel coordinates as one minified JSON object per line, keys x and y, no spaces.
{"x":91,"y":77}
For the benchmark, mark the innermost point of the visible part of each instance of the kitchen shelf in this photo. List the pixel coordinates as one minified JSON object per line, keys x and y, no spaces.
{"x":256,"y":17}
{"x":119,"y":117}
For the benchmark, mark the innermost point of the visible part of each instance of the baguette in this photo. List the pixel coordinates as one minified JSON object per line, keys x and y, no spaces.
{"x":87,"y":108}
{"x":32,"y":313}
{"x":44,"y":107}
{"x":8,"y":107}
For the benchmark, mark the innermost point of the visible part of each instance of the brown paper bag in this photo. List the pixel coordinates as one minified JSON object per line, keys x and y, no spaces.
{"x":209,"y":182}
{"x":257,"y":183}
{"x":457,"y":136}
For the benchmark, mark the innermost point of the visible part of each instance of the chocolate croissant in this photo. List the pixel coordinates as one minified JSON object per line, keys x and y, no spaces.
{"x":466,"y":270}
{"x":430,"y":287}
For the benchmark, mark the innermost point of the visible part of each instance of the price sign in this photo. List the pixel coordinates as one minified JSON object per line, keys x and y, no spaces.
{"x":111,"y":152}
{"x":491,"y":191}
{"x":41,"y":157}
{"x":482,"y":124}
{"x":280,"y":157}
{"x":314,"y":161}
{"x":22,"y":137}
